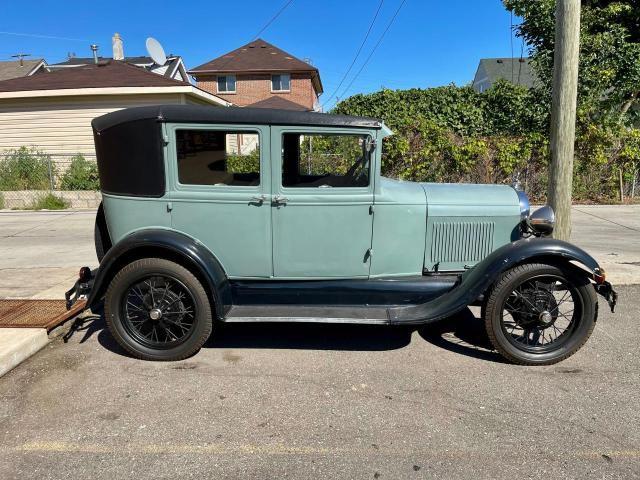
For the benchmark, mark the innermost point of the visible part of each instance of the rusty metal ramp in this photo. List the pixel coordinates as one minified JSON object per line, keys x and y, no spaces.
{"x":37,"y":313}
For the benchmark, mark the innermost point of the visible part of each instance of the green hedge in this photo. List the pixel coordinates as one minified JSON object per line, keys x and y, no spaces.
{"x":455,"y":134}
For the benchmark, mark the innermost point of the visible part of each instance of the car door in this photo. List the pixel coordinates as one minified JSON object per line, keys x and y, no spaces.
{"x":322,"y":215}
{"x":219,"y":190}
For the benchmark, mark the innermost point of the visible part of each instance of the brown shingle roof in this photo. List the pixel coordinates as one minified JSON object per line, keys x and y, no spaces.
{"x":280,"y":103}
{"x":104,"y":75}
{"x":255,"y":56}
{"x":13,"y":69}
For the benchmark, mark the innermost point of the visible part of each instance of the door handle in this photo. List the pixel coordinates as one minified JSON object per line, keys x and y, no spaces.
{"x":259,"y":199}
{"x":280,"y":200}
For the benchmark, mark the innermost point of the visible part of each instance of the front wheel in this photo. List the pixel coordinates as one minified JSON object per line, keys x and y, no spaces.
{"x":158,"y":310}
{"x":538,"y":314}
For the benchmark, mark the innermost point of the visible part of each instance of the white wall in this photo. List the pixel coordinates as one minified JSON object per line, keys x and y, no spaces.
{"x":62,"y":126}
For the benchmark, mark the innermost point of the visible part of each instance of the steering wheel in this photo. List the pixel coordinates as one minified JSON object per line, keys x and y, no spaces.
{"x":351,"y":173}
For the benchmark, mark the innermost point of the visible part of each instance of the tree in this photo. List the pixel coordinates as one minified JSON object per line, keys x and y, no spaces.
{"x":609,"y":81}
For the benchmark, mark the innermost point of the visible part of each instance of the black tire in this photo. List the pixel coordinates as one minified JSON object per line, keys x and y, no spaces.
{"x":101,"y":238}
{"x":184,"y":331}
{"x":499,"y":315}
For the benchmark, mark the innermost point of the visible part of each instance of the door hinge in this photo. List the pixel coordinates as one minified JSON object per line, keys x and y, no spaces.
{"x":371,"y":209}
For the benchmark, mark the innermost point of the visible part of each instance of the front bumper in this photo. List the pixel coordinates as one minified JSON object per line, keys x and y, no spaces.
{"x":606,"y":290}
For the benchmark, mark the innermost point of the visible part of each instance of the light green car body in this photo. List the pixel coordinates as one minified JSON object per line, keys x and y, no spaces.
{"x":389,"y":229}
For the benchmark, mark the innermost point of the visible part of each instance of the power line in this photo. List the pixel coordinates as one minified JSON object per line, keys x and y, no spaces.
{"x":278,"y":13}
{"x":49,"y":37}
{"x":357,"y":54}
{"x":375,"y":47}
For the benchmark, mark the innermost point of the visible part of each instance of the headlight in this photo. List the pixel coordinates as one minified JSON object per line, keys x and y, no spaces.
{"x":525,"y":208}
{"x":542,"y":221}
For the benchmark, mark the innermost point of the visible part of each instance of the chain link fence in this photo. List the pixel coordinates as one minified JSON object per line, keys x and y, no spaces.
{"x":32,"y":179}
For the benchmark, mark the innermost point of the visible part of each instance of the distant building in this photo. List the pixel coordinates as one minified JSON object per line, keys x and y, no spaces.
{"x":261,"y":75}
{"x":173,"y":68}
{"x":515,"y":70}
{"x":21,"y":68}
{"x":53,"y":110}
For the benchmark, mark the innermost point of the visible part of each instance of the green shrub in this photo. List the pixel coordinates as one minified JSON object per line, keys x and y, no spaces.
{"x":81,"y":175}
{"x":25,"y":169}
{"x":1,"y":201}
{"x":49,"y":201}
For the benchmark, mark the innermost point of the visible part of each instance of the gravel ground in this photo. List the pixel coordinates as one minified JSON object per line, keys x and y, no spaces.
{"x":301,"y":401}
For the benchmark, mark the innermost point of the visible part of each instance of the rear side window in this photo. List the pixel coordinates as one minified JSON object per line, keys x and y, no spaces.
{"x":325,"y":160}
{"x":218,"y":157}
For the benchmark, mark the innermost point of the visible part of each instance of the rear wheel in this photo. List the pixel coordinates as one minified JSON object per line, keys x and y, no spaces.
{"x":538,"y":314}
{"x":158,"y":310}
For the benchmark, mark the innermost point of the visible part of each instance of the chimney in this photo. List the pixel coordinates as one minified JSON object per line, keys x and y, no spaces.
{"x":118,"y":49}
{"x":94,"y":49}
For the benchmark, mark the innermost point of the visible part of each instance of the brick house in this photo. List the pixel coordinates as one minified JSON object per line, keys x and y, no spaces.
{"x":259,"y":74}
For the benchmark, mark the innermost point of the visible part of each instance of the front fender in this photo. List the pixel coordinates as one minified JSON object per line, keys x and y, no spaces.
{"x":157,"y":242}
{"x":476,"y":281}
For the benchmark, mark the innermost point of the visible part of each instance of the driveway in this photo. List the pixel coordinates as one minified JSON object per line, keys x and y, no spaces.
{"x":300,"y":401}
{"x":40,"y":252}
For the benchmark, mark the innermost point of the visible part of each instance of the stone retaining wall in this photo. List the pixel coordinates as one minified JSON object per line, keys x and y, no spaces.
{"x":23,"y":199}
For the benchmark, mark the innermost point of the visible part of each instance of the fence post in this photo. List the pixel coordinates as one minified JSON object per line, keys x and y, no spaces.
{"x":621,"y":185}
{"x":50,"y":172}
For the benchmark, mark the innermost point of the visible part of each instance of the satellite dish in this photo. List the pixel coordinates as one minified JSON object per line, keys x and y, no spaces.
{"x":156,"y":52}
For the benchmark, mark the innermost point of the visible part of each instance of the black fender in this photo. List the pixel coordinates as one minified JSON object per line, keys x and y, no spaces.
{"x":165,"y":244}
{"x":475,"y":282}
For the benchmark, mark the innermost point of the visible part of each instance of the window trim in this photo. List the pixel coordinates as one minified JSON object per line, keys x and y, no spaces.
{"x":282,"y":90}
{"x":235,"y":81}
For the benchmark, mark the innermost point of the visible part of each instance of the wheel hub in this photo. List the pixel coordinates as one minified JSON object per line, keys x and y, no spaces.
{"x":155,"y":314}
{"x":545,"y":318}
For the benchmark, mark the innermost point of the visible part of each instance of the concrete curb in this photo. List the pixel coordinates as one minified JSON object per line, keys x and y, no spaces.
{"x":18,"y":344}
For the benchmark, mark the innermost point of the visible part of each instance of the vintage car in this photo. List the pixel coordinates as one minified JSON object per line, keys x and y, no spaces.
{"x":214,"y":215}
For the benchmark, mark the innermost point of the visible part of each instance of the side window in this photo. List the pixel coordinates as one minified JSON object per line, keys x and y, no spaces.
{"x":325,"y":160}
{"x":218,"y":157}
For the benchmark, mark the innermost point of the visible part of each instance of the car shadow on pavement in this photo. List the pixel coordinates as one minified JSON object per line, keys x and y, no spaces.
{"x":462,"y":333}
{"x":310,"y":336}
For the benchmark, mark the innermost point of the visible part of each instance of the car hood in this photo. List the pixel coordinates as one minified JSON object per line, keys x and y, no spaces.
{"x":456,"y":194}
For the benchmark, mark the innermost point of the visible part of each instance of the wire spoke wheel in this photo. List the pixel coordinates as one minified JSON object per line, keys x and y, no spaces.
{"x":159,"y":311}
{"x":540,"y":313}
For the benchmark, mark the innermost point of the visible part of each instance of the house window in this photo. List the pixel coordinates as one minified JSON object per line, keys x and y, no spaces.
{"x":218,"y":157}
{"x":281,"y":82}
{"x":226,"y":83}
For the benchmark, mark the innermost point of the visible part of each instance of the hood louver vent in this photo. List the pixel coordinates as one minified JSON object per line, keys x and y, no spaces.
{"x":461,"y":242}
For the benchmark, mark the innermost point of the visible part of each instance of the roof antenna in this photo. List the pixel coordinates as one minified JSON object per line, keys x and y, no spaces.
{"x":94,"y":49}
{"x":21,"y":57}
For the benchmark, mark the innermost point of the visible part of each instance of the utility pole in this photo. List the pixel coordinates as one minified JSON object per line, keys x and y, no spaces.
{"x":563,"y":113}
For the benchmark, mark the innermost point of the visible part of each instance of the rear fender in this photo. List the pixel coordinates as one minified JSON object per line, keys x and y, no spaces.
{"x":173,"y":246}
{"x":476,"y":281}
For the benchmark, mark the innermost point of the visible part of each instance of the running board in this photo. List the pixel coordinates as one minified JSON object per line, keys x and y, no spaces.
{"x":307,"y":314}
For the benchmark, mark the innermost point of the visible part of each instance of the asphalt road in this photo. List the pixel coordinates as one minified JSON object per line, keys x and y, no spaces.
{"x":299,"y":401}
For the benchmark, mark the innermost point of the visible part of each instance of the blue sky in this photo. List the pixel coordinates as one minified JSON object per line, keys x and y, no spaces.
{"x":430,"y":43}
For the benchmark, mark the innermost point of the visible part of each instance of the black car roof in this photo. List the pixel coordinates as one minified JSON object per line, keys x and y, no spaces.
{"x":236,"y":115}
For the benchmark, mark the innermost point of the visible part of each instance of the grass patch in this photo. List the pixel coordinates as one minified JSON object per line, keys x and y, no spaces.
{"x":49,"y":202}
